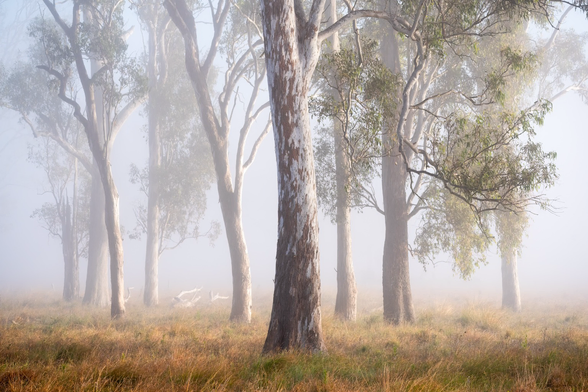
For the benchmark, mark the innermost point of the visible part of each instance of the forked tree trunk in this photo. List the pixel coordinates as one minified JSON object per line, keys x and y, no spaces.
{"x":71,"y":285}
{"x":96,"y":292}
{"x":117,"y":305}
{"x":151,"y":293}
{"x":398,"y":306}
{"x":511,"y":295}
{"x":346,"y":301}
{"x":95,"y":127}
{"x":291,"y":52}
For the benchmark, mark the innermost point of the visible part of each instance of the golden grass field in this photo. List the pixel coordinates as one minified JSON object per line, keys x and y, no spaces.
{"x":46,"y":345}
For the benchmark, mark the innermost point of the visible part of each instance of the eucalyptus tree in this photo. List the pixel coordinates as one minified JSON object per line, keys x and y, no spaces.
{"x":292,"y":40}
{"x":457,"y":131}
{"x":446,"y":128}
{"x":66,"y":216}
{"x":563,"y":69}
{"x":110,"y":94}
{"x":292,"y":45}
{"x":180,"y":167}
{"x":28,"y":92}
{"x":31,"y":94}
{"x":346,"y":300}
{"x":235,"y":26}
{"x":356,"y":93}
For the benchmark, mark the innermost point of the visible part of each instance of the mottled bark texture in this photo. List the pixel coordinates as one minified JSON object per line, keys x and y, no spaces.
{"x":291,"y":52}
{"x":511,"y":295}
{"x":398,"y":305}
{"x":217,"y":133}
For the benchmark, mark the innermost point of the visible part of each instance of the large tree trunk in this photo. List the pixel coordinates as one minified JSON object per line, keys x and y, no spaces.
{"x":398,"y":306}
{"x":97,"y":292}
{"x":511,"y":295}
{"x":71,"y":284}
{"x":290,"y":60}
{"x":151,"y":293}
{"x":217,"y":136}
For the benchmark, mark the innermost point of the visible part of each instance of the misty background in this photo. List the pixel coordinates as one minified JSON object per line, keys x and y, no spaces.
{"x":553,"y":261}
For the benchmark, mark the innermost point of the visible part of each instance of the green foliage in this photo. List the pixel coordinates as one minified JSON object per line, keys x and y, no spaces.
{"x":100,"y":38}
{"x":485,"y":157}
{"x":450,"y":226}
{"x":358,"y":94}
{"x":480,"y":148}
{"x":513,"y":62}
{"x":53,"y":43}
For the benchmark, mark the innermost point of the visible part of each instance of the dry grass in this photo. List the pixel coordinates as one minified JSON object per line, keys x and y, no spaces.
{"x":46,"y":345}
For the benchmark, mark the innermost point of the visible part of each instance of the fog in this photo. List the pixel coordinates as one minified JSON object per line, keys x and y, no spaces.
{"x":553,"y":263}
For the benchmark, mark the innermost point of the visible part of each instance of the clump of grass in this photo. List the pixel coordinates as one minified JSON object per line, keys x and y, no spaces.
{"x":52,"y":346}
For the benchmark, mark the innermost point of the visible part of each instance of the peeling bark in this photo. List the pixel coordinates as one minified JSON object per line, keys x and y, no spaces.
{"x":291,"y":52}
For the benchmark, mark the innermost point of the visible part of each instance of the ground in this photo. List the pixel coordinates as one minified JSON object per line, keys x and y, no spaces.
{"x":46,"y":345}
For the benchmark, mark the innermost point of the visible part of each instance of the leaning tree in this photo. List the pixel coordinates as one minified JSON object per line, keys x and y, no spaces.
{"x":235,"y":26}
{"x":110,"y":93}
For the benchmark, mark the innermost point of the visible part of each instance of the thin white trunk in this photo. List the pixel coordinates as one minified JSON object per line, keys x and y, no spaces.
{"x":151,"y":293}
{"x":346,"y":301}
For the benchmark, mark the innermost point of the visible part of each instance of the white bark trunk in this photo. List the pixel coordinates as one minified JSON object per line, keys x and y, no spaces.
{"x":291,"y":53}
{"x":151,"y":293}
{"x":97,"y":292}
